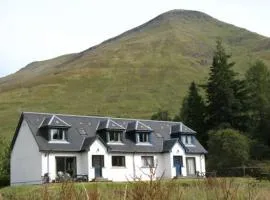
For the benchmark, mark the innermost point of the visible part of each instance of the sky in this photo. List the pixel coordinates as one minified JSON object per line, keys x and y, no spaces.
{"x":34,"y":30}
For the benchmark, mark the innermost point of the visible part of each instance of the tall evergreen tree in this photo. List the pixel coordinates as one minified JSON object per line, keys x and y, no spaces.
{"x":193,"y":112}
{"x":220,"y":90}
{"x":258,"y":84}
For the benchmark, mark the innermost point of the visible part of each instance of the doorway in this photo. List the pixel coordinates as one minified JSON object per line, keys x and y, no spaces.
{"x":178,"y":163}
{"x":98,"y":164}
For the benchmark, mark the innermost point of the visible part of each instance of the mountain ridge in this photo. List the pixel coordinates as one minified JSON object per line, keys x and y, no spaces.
{"x":132,"y":74}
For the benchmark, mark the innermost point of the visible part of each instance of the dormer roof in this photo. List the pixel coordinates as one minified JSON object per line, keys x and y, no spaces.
{"x":138,"y":126}
{"x":181,"y":128}
{"x":54,"y":121}
{"x":109,"y":124}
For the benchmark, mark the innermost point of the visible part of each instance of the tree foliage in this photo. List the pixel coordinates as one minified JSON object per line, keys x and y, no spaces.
{"x":162,"y":115}
{"x":258,"y":84}
{"x":220,"y":89}
{"x":193,"y":112}
{"x":227,"y":148}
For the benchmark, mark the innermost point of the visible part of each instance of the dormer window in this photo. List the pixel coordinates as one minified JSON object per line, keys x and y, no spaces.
{"x":58,"y":135}
{"x":187,"y":139}
{"x":143,"y":137}
{"x":113,"y":136}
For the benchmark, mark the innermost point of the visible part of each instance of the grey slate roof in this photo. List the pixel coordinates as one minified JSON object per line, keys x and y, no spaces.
{"x":110,"y":125}
{"x":89,"y":125}
{"x":54,"y":121}
{"x":138,"y":126}
{"x":180,"y":127}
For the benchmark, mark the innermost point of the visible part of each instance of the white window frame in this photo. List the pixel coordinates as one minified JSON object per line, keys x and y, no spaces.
{"x":147,"y":161}
{"x":119,"y":137}
{"x":145,"y":136}
{"x":52,"y":132}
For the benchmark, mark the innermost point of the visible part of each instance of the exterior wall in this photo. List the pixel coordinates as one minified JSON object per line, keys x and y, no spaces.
{"x":97,"y":148}
{"x":132,"y":171}
{"x":49,"y":162}
{"x":25,"y":158}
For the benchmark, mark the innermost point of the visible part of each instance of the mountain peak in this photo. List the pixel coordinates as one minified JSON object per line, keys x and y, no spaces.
{"x":185,"y":14}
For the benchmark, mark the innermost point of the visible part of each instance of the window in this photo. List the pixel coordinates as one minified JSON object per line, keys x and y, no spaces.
{"x":66,"y":165}
{"x":188,"y":139}
{"x":147,"y":161}
{"x":143,"y":137}
{"x":118,"y":161}
{"x":114,"y":137}
{"x":58,"y":134}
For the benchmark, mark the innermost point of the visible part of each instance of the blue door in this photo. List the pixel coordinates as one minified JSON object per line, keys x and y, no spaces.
{"x":178,"y":163}
{"x":97,"y":164}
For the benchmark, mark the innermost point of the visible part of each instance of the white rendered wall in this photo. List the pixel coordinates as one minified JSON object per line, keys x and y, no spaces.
{"x":97,"y":148}
{"x":25,"y":158}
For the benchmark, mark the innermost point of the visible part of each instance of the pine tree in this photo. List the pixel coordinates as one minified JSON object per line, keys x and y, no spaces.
{"x":258,"y":84}
{"x":193,"y":112}
{"x":220,"y":90}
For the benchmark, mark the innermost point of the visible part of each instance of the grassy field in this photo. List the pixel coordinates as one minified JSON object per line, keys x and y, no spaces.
{"x":187,"y":189}
{"x":132,"y":75}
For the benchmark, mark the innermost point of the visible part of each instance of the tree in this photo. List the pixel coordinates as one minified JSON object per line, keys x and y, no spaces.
{"x":4,"y":162}
{"x":227,"y":148}
{"x":258,"y":84}
{"x":162,"y":115}
{"x":220,"y":90}
{"x":193,"y":112}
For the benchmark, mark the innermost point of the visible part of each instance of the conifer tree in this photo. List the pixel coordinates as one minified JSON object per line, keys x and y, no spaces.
{"x":220,"y":90}
{"x":193,"y":112}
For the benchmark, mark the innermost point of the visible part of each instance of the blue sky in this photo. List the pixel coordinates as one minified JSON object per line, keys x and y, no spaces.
{"x":33,"y":30}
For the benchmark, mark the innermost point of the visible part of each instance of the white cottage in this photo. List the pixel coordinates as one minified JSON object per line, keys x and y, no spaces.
{"x":102,"y":148}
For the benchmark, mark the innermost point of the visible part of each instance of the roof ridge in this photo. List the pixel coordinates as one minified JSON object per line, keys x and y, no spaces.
{"x":105,"y":117}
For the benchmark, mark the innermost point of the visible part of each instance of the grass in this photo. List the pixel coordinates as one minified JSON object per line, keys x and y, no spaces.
{"x":132,"y":75}
{"x":188,"y":189}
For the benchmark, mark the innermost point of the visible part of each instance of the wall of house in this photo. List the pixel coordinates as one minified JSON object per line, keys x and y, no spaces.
{"x":49,"y":162}
{"x":25,"y":158}
{"x":133,"y":169}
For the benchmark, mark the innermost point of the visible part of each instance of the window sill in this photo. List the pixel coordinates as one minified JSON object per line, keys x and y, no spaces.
{"x":144,"y":143}
{"x":115,"y":143}
{"x":190,"y":145}
{"x":58,"y":142}
{"x":119,"y":167}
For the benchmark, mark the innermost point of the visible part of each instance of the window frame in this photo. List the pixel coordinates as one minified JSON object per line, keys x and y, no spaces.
{"x":59,"y":132}
{"x":119,"y":137}
{"x":145,"y":136}
{"x":145,"y":161}
{"x":120,"y":161}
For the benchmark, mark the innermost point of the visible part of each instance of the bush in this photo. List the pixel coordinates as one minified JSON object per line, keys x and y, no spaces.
{"x":227,"y":148}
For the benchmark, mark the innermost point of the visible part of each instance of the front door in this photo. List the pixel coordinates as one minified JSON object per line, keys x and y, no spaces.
{"x":97,"y":164}
{"x":191,"y":167}
{"x":177,"y":163}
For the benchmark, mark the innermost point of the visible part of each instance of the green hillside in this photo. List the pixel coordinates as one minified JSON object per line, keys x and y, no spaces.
{"x":131,"y":75}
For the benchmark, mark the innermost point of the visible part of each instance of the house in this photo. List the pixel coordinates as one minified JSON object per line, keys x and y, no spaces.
{"x":114,"y":149}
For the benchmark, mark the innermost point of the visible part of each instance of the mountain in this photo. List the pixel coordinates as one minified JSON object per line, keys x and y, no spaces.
{"x":131,"y":75}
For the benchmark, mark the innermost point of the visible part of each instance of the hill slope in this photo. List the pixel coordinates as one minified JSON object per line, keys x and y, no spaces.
{"x":131,"y":75}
